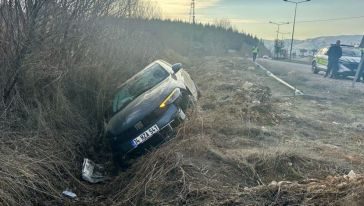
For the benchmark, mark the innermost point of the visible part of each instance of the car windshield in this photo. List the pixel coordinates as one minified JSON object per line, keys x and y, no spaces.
{"x":141,"y":83}
{"x":351,"y":52}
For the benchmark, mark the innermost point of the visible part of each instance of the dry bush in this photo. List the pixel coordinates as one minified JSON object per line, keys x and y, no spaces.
{"x":49,"y":75}
{"x":32,"y":167}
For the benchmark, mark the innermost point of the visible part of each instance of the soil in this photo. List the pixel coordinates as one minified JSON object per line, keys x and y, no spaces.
{"x":250,"y":141}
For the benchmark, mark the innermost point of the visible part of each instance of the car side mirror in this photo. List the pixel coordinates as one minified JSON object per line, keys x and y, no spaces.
{"x":176,"y":67}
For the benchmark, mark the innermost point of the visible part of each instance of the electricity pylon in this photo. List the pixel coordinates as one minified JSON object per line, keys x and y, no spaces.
{"x":192,"y":12}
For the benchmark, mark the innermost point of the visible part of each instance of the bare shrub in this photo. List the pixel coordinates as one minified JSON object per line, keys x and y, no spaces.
{"x":46,"y":79}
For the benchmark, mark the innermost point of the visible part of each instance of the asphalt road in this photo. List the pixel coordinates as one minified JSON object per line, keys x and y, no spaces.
{"x":301,"y":77}
{"x":329,"y":114}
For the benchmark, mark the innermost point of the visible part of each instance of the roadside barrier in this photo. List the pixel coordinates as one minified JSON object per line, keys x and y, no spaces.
{"x":269,"y":73}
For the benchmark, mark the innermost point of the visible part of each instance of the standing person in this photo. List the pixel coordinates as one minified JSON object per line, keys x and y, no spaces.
{"x":360,"y":71}
{"x":255,"y":51}
{"x":335,"y":52}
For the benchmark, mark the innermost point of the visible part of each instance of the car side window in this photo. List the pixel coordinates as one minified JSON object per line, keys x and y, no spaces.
{"x":319,"y":52}
{"x":166,"y":67}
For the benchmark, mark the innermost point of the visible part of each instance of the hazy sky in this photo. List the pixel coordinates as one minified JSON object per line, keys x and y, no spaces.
{"x":252,"y":16}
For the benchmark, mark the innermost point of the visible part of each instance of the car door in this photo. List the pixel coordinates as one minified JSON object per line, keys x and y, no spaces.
{"x":318,"y":58}
{"x":322,"y":60}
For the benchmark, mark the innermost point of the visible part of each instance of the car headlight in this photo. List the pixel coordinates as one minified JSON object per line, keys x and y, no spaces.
{"x":171,"y":98}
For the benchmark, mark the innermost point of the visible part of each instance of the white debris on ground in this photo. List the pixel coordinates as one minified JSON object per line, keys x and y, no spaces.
{"x":351,"y":175}
{"x":68,"y":193}
{"x":93,"y":173}
{"x":247,"y":85}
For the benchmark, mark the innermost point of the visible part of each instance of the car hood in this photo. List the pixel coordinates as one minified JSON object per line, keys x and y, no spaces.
{"x":346,"y":59}
{"x":143,"y":105}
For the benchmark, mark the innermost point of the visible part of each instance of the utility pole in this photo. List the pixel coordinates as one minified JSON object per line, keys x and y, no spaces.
{"x":284,"y":33}
{"x":278,"y":24}
{"x":129,"y":8}
{"x":294,"y":21}
{"x":360,"y":69}
{"x":192,"y":12}
{"x":277,"y":44}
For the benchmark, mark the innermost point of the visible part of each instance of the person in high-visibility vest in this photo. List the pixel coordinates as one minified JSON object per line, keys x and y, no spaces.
{"x":255,"y":51}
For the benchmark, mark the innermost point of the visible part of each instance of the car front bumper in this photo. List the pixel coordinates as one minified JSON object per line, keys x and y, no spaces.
{"x":166,"y":124}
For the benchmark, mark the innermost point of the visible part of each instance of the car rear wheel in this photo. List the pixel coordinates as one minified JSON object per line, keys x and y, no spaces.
{"x":315,"y":70}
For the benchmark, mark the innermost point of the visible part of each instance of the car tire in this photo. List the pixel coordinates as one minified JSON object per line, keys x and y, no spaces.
{"x":187,"y":102}
{"x":315,"y":70}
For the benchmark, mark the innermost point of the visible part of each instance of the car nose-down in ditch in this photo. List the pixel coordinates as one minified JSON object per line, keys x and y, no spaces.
{"x":148,"y":106}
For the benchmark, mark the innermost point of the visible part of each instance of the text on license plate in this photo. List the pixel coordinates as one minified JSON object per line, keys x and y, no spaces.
{"x":145,"y":135}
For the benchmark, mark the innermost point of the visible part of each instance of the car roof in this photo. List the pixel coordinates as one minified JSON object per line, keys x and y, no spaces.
{"x":342,"y":45}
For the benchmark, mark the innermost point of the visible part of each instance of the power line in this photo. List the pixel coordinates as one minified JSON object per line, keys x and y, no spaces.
{"x":334,"y":19}
{"x":317,"y":20}
{"x":129,"y":8}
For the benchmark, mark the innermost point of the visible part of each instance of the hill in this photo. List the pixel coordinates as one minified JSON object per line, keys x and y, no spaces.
{"x":318,"y":42}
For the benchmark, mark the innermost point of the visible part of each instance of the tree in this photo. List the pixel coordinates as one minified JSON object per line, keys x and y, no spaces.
{"x":361,"y":65}
{"x":39,"y":25}
{"x":223,"y":23}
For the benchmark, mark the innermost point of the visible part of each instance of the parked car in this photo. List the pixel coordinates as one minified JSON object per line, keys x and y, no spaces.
{"x":148,"y":106}
{"x":348,"y":63}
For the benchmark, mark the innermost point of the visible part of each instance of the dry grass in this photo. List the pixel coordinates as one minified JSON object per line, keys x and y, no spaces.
{"x":36,"y":164}
{"x":230,"y":153}
{"x":192,"y":170}
{"x":338,"y":190}
{"x":28,"y":174}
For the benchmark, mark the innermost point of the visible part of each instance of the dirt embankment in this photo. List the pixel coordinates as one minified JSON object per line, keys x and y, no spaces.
{"x":245,"y":144}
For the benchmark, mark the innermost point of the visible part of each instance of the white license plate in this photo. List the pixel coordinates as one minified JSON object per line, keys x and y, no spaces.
{"x":145,"y":135}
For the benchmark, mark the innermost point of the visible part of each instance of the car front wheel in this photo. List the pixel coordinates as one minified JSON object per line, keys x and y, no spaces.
{"x":187,"y":102}
{"x":315,"y":70}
